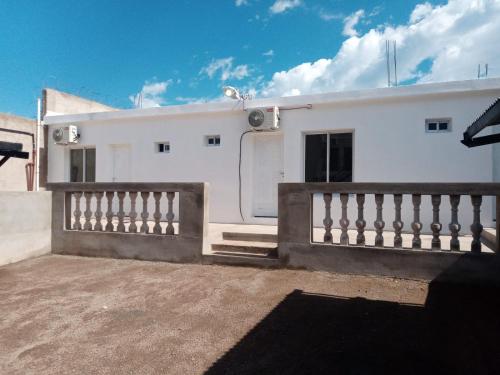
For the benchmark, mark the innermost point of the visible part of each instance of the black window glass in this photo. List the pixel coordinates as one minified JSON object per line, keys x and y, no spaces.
{"x":160,"y":147}
{"x":341,"y":157}
{"x":210,"y":141}
{"x":90,"y":165}
{"x":316,"y":154}
{"x":217,"y":140}
{"x":76,"y":166}
{"x":443,"y":126}
{"x":432,"y":126}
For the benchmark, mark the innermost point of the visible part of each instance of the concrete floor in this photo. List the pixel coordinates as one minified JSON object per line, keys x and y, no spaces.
{"x":65,"y":315}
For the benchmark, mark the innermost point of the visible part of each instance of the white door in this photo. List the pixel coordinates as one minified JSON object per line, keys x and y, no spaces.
{"x":121,"y":163}
{"x":267,"y":173}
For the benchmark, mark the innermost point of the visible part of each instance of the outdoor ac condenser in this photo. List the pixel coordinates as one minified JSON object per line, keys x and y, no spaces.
{"x":261,"y":119}
{"x":66,"y":135}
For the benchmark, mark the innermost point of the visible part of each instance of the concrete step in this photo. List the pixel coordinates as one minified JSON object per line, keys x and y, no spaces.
{"x":258,"y":248}
{"x":253,"y":237}
{"x":238,"y":259}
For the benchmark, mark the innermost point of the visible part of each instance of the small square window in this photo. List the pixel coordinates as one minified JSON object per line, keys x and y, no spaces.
{"x":437,"y":125}
{"x":163,"y":147}
{"x":212,"y":140}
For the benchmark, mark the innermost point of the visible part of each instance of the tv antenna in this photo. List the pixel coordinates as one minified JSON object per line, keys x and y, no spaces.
{"x":482,"y":73}
{"x":392,"y":79}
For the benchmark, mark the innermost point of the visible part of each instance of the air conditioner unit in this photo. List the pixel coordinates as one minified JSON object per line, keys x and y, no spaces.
{"x":264,"y":118}
{"x":66,"y":135}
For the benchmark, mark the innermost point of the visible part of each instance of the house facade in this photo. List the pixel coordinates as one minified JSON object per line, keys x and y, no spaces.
{"x":401,"y":134}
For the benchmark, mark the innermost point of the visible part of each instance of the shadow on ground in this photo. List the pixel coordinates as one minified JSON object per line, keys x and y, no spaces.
{"x":457,"y":331}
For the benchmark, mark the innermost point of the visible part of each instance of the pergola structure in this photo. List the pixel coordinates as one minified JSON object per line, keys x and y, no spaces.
{"x":12,"y":150}
{"x":490,"y":117}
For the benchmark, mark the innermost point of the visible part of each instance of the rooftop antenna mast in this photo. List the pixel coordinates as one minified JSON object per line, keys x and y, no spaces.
{"x":390,"y":81}
{"x":482,"y":74}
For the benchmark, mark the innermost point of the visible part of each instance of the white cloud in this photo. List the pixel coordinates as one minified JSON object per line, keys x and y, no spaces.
{"x":327,"y":16}
{"x":225,"y":67}
{"x":269,"y":53}
{"x":454,"y":37}
{"x":239,"y":3}
{"x":351,"y":21}
{"x":151,"y":94}
{"x":421,"y":11}
{"x":281,"y":6}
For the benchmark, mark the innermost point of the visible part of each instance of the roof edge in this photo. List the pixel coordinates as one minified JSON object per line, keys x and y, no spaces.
{"x":385,"y":93}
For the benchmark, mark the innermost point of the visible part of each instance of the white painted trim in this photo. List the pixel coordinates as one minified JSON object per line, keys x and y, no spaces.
{"x":377,"y":94}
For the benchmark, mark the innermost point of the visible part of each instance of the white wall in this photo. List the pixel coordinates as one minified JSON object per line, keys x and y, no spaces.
{"x":390,"y":145}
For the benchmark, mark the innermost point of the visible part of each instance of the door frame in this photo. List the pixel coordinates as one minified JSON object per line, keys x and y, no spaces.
{"x":281,"y":138}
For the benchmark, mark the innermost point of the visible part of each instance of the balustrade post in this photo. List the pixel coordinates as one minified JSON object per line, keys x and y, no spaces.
{"x":170,"y":213}
{"x":397,"y":224}
{"x":379,"y":223}
{"x":476,"y":227}
{"x":360,"y":223}
{"x":454,"y":225}
{"x":133,"y":214}
{"x":120,"y":214}
{"x":436,"y":225}
{"x":344,"y":222}
{"x":416,"y":225}
{"x":327,"y":221}
{"x":88,"y":212}
{"x":98,"y":211}
{"x":157,"y":214}
{"x":77,"y":213}
{"x":144,"y":214}
{"x":109,"y":213}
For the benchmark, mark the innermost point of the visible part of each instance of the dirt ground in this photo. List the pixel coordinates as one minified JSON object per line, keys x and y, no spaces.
{"x":75,"y":315}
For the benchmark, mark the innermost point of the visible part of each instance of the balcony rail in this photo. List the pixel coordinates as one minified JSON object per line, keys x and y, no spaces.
{"x":129,"y":209}
{"x":296,"y":206}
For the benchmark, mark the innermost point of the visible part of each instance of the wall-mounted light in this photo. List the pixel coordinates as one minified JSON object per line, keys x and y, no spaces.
{"x":231,"y":92}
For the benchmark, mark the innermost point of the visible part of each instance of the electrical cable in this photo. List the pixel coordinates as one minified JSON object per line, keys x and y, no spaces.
{"x":239,"y":173}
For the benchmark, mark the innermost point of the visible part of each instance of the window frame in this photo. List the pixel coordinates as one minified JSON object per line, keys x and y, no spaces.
{"x":164,"y":143}
{"x":327,"y":133}
{"x":214,"y":137}
{"x":84,"y":163}
{"x":438,"y":121}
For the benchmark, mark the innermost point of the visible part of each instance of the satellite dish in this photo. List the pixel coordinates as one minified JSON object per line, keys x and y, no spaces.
{"x":256,"y":118}
{"x":58,"y":135}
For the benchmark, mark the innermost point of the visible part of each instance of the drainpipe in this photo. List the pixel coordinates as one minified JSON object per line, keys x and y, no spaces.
{"x":38,"y":131}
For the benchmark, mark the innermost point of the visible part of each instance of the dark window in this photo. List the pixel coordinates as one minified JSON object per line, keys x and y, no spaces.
{"x":341,"y":157}
{"x":82,"y":165}
{"x":90,"y":165}
{"x":432,"y":126}
{"x":161,"y":147}
{"x":212,"y":140}
{"x":76,"y":165}
{"x":328,"y":157}
{"x":443,"y":126}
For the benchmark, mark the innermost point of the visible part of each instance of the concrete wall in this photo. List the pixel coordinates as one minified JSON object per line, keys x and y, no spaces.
{"x":58,"y":102}
{"x":25,"y":225}
{"x":390,"y":145}
{"x":13,"y":172}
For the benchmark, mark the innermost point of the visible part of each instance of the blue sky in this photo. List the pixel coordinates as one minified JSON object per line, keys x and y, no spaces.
{"x":185,"y":51}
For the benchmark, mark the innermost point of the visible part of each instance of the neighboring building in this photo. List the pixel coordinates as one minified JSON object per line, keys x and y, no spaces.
{"x":403,"y":134}
{"x":15,"y":129}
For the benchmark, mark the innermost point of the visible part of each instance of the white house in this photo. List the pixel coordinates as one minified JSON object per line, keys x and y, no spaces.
{"x":401,"y":134}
